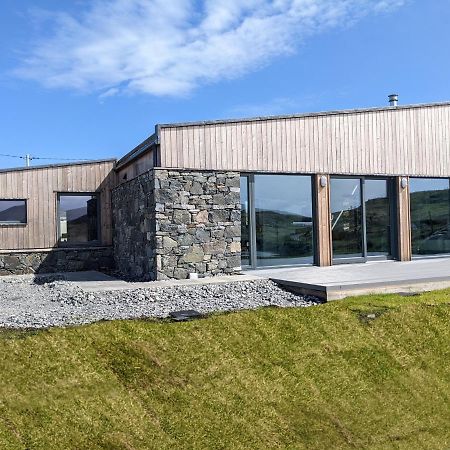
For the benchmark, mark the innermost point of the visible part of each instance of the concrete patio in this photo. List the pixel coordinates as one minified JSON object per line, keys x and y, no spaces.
{"x":344,"y":280}
{"x":328,"y":283}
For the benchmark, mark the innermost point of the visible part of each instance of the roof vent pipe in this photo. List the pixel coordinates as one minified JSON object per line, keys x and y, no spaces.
{"x":393,"y":99}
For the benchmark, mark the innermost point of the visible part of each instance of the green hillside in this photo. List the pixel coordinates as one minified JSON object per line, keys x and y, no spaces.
{"x":370,"y":372}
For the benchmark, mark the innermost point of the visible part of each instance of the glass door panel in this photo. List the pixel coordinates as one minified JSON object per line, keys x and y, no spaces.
{"x":283,"y":219}
{"x":346,"y":218}
{"x":378,"y":217}
{"x":245,"y":223}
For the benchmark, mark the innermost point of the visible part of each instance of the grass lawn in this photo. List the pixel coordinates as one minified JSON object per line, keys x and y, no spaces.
{"x":328,"y":377}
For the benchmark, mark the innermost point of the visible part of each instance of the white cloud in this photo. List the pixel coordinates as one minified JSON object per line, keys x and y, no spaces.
{"x":162,"y":47}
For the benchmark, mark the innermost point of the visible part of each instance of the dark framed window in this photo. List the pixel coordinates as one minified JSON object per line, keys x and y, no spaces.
{"x":362,"y":212}
{"x":430,"y":216}
{"x":78,"y":219}
{"x":276,"y":220}
{"x":13,"y":212}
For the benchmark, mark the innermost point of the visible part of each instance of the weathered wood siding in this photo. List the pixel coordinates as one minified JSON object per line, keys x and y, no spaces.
{"x":322,"y":222}
{"x":136,"y":168}
{"x":40,"y":186}
{"x":393,"y":141}
{"x":404,"y":251}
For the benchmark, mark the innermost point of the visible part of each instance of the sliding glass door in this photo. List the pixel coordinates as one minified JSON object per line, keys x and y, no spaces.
{"x":346,"y":217}
{"x":245,"y":222}
{"x":361,"y":216}
{"x":276,"y":220}
{"x":378,"y":216}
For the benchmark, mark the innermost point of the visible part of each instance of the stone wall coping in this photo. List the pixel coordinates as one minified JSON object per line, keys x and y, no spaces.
{"x":50,"y":250}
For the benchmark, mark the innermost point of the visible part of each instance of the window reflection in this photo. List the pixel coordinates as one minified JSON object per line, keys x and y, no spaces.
{"x":430,"y":211}
{"x":346,"y":217}
{"x":78,"y":218}
{"x":245,"y":223}
{"x":13,"y":212}
{"x":378,"y":217}
{"x":283,"y":209}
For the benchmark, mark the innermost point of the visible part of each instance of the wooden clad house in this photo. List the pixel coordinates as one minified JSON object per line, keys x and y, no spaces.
{"x":324,"y":188}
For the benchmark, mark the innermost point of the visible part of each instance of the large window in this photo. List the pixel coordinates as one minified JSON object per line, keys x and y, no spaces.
{"x":430,"y":216}
{"x":78,"y":218}
{"x":361,"y":218}
{"x":13,"y":212}
{"x":282,"y":230}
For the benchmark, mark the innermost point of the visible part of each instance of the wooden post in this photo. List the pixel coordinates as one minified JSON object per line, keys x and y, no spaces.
{"x":322,"y":224}
{"x":404,"y":252}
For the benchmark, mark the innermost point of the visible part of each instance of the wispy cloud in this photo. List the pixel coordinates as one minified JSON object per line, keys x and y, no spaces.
{"x":162,"y":47}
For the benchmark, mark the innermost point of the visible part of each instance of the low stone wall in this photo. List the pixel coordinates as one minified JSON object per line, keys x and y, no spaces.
{"x":56,"y":260}
{"x":170,"y":223}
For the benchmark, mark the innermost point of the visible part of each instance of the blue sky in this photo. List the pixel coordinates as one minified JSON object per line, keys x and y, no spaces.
{"x":89,"y":79}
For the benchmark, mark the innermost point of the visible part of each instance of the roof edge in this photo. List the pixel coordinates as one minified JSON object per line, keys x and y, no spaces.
{"x":137,"y":151}
{"x":48,"y":166}
{"x":304,"y":115}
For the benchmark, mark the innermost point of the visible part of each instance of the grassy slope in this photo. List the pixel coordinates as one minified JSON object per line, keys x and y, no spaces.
{"x":317,"y":378}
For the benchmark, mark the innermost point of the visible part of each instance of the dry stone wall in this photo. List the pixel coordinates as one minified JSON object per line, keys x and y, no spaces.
{"x":134,"y":227}
{"x":198,"y":223}
{"x":170,"y":223}
{"x":56,"y":260}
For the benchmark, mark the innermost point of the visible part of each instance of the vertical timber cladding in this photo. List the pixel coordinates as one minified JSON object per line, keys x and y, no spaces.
{"x":39,"y":187}
{"x":170,"y":223}
{"x":411,"y":140}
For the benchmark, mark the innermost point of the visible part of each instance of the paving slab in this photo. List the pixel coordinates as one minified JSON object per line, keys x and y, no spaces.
{"x":340,"y":281}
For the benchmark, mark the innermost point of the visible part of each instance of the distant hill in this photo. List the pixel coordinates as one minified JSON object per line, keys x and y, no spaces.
{"x":14,"y":214}
{"x":76,"y":214}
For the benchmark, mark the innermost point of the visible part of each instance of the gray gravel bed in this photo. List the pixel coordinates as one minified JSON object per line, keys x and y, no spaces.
{"x":42,"y":302}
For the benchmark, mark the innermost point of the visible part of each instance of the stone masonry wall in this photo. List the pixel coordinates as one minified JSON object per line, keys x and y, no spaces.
{"x":198,"y":223}
{"x":56,"y":260}
{"x":170,"y":223}
{"x":134,"y":227}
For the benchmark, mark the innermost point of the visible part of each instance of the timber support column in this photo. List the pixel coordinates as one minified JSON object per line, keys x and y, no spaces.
{"x":322,"y":222}
{"x":404,"y":252}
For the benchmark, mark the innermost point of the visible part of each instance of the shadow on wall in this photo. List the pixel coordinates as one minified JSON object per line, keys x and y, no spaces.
{"x":57,"y":260}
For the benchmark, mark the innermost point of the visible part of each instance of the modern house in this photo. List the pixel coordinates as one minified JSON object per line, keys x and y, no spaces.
{"x":212,"y":197}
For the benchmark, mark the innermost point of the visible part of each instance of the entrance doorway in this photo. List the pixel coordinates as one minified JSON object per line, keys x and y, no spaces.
{"x":361,"y":218}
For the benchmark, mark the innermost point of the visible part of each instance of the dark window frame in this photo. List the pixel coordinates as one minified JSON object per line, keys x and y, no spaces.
{"x":393,"y":219}
{"x":16,"y":223}
{"x":415,"y":256}
{"x":98,"y":241}
{"x":253,"y":259}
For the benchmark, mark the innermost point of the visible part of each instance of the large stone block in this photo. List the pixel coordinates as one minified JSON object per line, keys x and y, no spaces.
{"x":214,"y":248}
{"x":194,"y":254}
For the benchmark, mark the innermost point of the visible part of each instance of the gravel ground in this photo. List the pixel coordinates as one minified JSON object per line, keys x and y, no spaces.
{"x":42,"y":302}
